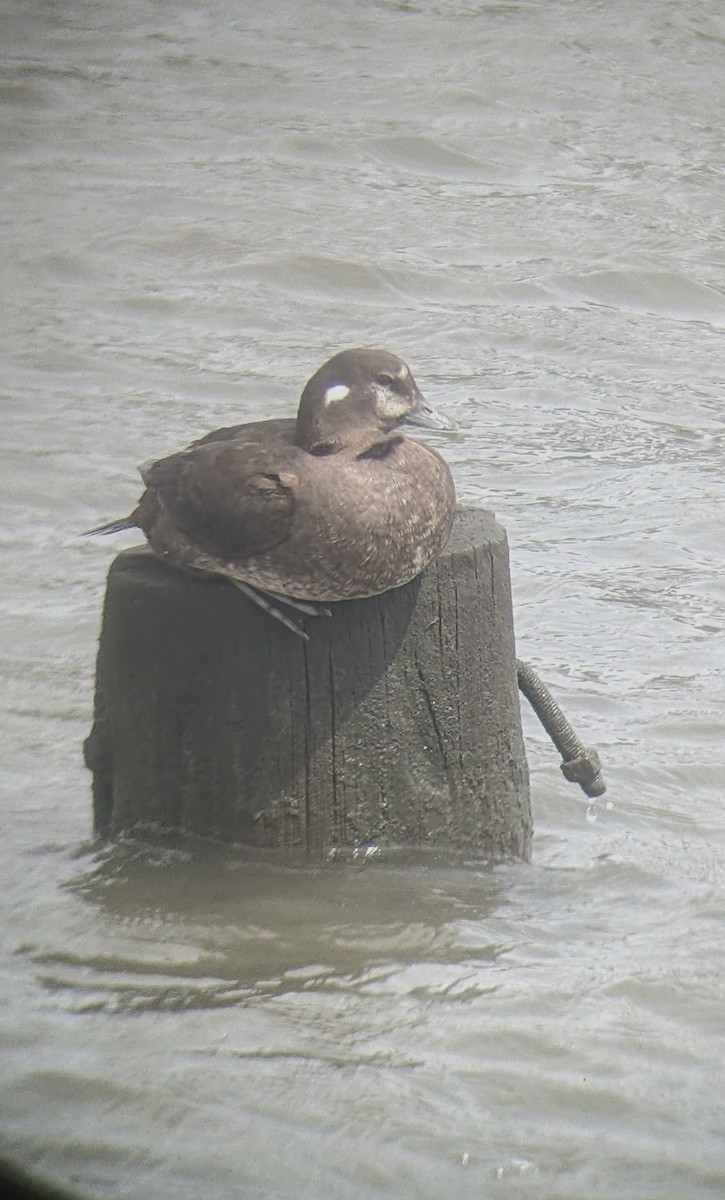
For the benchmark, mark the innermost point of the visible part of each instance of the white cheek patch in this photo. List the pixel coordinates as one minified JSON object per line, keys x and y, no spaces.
{"x":390,"y":404}
{"x":335,"y":392}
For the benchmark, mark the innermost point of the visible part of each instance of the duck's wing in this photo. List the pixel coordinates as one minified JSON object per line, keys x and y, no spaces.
{"x":231,"y":498}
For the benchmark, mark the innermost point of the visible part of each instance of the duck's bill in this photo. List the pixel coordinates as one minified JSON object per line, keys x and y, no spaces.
{"x":428,"y":417}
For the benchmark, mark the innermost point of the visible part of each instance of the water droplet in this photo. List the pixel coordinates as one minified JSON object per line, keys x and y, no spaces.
{"x":592,"y":814}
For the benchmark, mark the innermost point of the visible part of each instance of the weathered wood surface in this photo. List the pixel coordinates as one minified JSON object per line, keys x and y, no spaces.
{"x":398,"y":723}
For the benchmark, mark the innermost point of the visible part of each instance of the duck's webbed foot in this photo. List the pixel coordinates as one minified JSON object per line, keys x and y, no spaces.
{"x":270,"y":601}
{"x":309,"y":607}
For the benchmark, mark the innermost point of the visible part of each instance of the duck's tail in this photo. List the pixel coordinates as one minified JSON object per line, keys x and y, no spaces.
{"x":112,"y":526}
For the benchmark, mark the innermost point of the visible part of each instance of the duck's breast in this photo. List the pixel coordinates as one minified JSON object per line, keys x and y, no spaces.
{"x":364,"y":525}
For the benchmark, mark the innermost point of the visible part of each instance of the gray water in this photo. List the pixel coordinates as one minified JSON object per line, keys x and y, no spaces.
{"x":524,"y":200}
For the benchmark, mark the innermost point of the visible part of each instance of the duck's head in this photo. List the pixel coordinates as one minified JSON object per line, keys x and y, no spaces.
{"x":358,"y":396}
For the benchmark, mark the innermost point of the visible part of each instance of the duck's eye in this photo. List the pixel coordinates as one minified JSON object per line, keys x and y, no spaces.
{"x":384,"y":380}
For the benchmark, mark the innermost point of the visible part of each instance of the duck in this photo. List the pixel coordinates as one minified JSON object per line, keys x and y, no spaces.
{"x":335,"y":504}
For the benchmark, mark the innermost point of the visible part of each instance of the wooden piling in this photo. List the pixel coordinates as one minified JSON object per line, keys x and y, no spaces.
{"x":397,"y":723}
